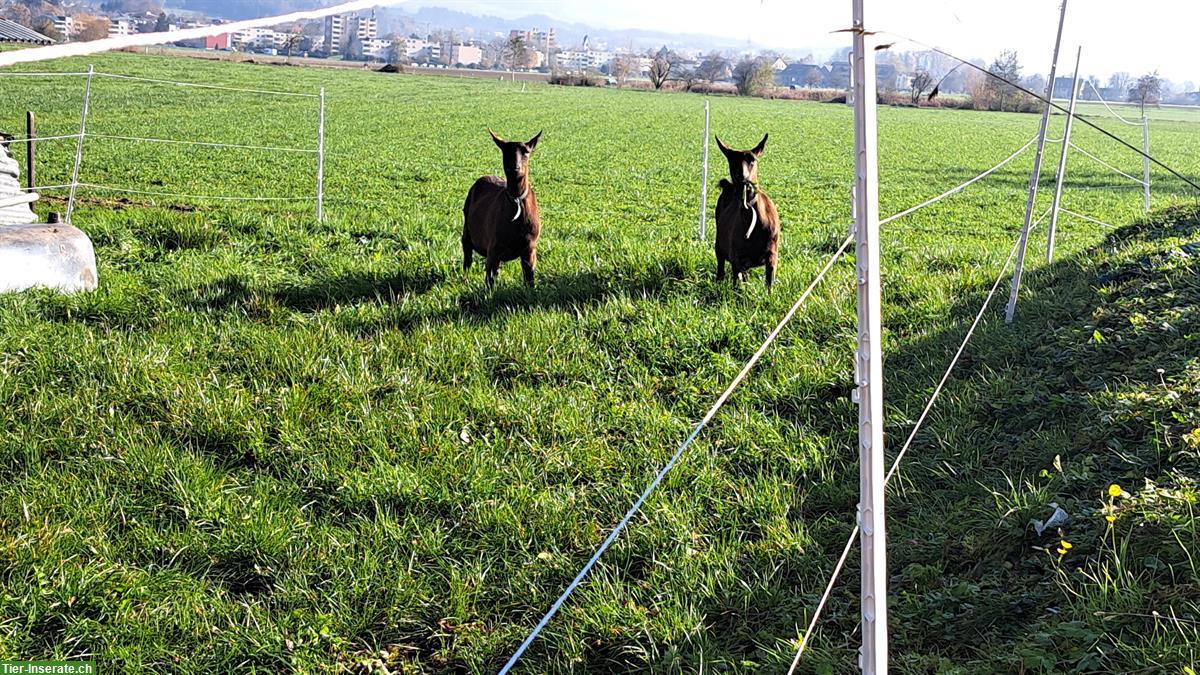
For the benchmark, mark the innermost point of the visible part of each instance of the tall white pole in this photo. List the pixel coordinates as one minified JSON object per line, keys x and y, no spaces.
{"x":704,"y":177}
{"x":1146,"y":162}
{"x":873,"y":658}
{"x":87,"y":99}
{"x":321,"y":158}
{"x":1011,"y":310}
{"x":1062,"y":161}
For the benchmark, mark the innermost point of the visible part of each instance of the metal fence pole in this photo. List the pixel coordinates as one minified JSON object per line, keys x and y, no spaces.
{"x":30,"y":150}
{"x":1062,"y":161}
{"x":87,"y":98}
{"x":1146,"y":162}
{"x":704,"y":177}
{"x":868,"y":359}
{"x":321,"y":158}
{"x":1035,"y":178}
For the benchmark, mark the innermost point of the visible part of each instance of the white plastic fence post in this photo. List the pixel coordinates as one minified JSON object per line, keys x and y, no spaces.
{"x":321,"y":158}
{"x":868,"y":361}
{"x":87,"y":98}
{"x":1146,"y":162}
{"x":704,"y":178}
{"x":1035,"y":178}
{"x":1062,"y":160}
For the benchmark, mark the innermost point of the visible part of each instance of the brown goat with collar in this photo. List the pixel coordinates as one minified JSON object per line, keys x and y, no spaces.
{"x":500,"y":217}
{"x":747,"y":223}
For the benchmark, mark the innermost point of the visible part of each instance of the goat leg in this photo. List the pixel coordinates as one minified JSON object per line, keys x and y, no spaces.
{"x":491,"y":269}
{"x":528,"y":264}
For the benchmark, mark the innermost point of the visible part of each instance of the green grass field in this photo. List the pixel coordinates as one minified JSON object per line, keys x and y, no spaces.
{"x":271,"y":444}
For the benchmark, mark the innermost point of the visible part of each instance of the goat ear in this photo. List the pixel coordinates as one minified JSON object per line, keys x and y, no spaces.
{"x":532,"y":144}
{"x":724,"y":148}
{"x":496,"y":139}
{"x":762,"y":145}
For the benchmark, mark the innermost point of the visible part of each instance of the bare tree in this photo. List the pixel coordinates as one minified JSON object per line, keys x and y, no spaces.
{"x":921,"y":82}
{"x":712,"y":67}
{"x":662,"y":63}
{"x":688,"y":77}
{"x":94,"y":27}
{"x":292,"y":42}
{"x":1120,"y":81}
{"x":1147,"y":90}
{"x":753,"y":75}
{"x":494,"y":53}
{"x":619,"y":68}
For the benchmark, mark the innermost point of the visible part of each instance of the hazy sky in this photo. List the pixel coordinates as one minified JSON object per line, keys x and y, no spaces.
{"x":1135,"y":36}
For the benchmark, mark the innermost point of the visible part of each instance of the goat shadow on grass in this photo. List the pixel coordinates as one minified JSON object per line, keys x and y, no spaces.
{"x":562,"y":291}
{"x":320,"y":292}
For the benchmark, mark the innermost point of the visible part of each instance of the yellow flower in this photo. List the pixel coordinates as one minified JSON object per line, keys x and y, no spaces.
{"x":1062,"y":551}
{"x":1066,"y":544}
{"x":1110,"y":518}
{"x":1114,"y":490}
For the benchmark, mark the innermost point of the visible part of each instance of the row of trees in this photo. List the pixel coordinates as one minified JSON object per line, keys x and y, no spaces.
{"x":994,"y":93}
{"x":750,"y":75}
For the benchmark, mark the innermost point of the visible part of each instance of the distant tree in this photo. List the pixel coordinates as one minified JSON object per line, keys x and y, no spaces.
{"x":620,"y":68}
{"x":493,"y":53}
{"x":516,"y":52}
{"x":443,"y":36}
{"x":45,"y":26}
{"x":753,"y":75}
{"x":292,"y":42}
{"x":354,"y":48}
{"x":1147,"y":90}
{"x":712,"y":67}
{"x":1036,"y":83}
{"x":921,"y":82}
{"x":1189,"y":87}
{"x":662,"y":62}
{"x":686,"y":76}
{"x":397,"y":54}
{"x":1006,"y":67}
{"x":977,"y":85}
{"x":1120,"y":81}
{"x":92,"y":27}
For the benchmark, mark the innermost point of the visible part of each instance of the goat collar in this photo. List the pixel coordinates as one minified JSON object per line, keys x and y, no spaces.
{"x":518,"y":201}
{"x":749,"y":190}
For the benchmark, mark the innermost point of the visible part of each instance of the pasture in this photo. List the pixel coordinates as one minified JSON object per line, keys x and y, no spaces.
{"x":282,"y":445}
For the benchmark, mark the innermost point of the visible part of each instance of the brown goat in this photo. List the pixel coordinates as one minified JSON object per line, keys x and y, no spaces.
{"x":500,"y":217}
{"x":747,"y":223}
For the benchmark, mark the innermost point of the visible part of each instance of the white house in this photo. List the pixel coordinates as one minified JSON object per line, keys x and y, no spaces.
{"x":376,"y":48}
{"x":121,"y":25}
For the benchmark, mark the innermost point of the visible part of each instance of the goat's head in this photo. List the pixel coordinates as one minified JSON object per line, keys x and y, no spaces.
{"x":743,"y":164}
{"x":516,"y":156}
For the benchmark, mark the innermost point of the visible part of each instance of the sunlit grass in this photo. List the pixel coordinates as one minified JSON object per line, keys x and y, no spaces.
{"x":275,"y":443}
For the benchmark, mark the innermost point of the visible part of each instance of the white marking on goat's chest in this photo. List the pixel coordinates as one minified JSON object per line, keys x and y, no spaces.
{"x":518,"y":201}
